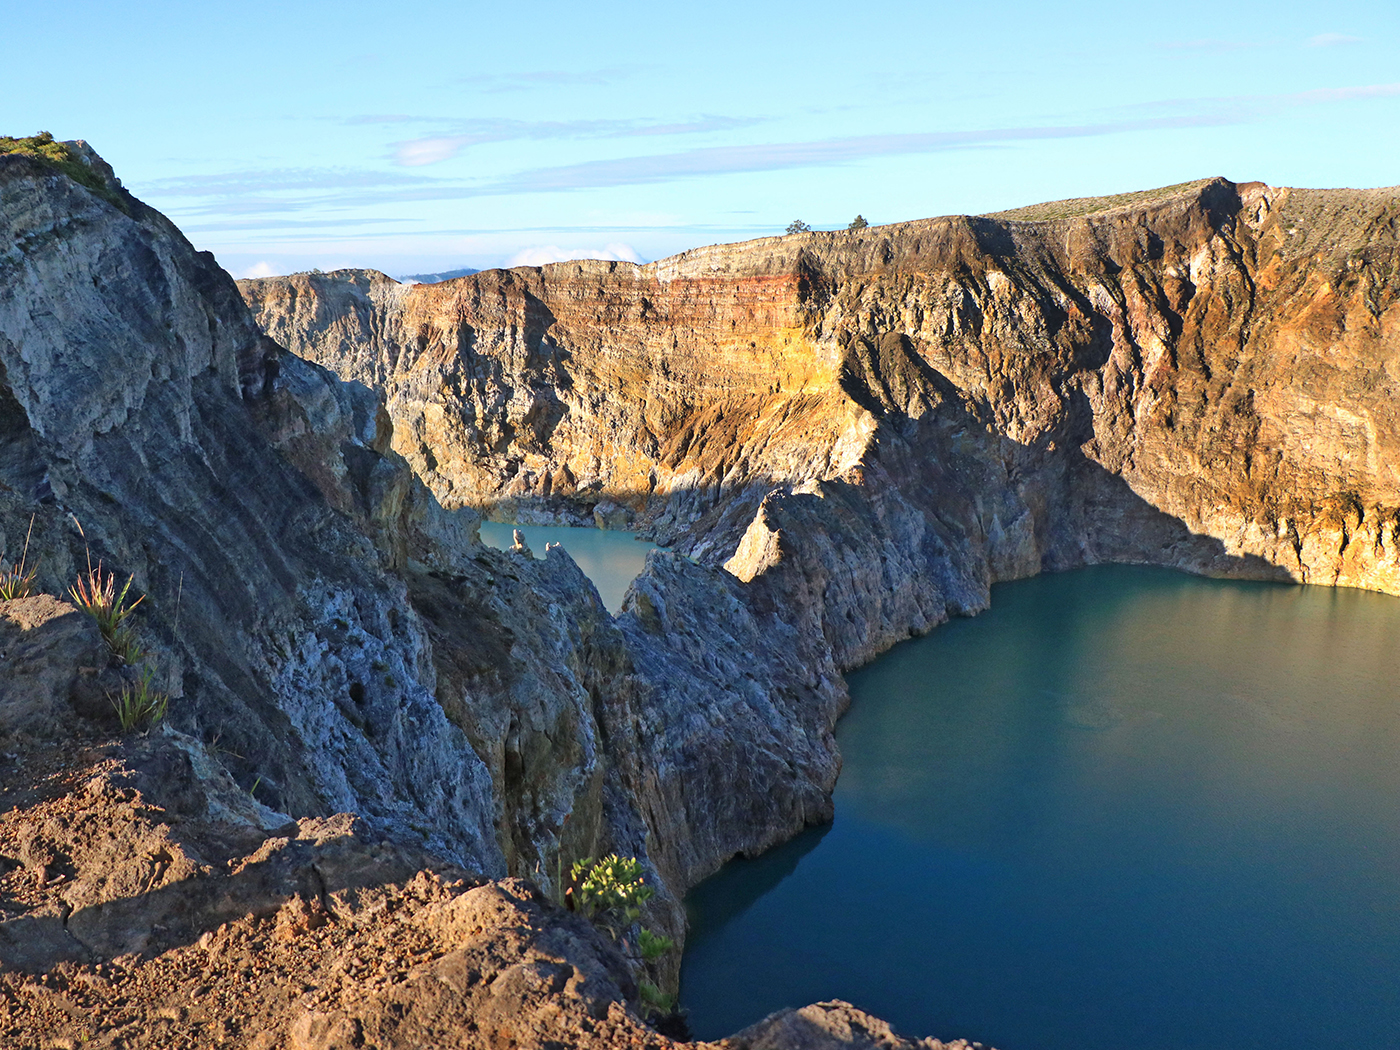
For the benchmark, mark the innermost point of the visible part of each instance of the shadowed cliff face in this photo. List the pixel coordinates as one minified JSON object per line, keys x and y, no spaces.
{"x":889,"y":420}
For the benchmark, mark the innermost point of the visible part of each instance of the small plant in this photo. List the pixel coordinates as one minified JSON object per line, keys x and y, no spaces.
{"x":611,"y":887}
{"x":97,"y":595}
{"x":140,"y":702}
{"x":798,"y":226}
{"x":858,"y":223}
{"x":14,"y":581}
{"x":653,"y":945}
{"x":611,"y":890}
{"x":655,"y":998}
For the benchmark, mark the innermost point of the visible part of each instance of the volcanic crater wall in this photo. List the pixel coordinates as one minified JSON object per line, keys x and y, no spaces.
{"x":886,"y":421}
{"x":846,"y":438}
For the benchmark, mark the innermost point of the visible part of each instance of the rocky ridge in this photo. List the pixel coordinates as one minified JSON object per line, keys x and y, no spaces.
{"x":147,"y":901}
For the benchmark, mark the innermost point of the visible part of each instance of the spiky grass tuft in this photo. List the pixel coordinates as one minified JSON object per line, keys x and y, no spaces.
{"x":97,"y":595}
{"x":140,"y":702}
{"x":15,"y":582}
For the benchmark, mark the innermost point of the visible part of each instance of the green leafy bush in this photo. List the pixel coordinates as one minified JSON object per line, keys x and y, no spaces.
{"x":611,"y":891}
{"x":798,"y":226}
{"x":611,"y":887}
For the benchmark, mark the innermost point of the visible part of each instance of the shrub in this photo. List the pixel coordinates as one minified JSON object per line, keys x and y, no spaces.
{"x":610,"y":888}
{"x":140,"y":702}
{"x":858,"y":223}
{"x":798,"y":226}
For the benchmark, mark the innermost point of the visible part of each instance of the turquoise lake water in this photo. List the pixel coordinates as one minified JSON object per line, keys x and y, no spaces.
{"x":612,"y":560}
{"x":1124,"y":809}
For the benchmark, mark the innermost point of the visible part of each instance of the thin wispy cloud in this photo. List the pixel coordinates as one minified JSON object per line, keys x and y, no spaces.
{"x":273,"y":180}
{"x":1209,"y":44}
{"x":552,"y":253}
{"x":231,"y":225}
{"x":1346,"y":94}
{"x":501,"y":83}
{"x":1244,"y":108}
{"x":780,"y":156}
{"x":462,"y":134}
{"x":275,"y":232}
{"x":1212,"y":45}
{"x":726,"y":160}
{"x":287,"y":192}
{"x":1332,"y":40}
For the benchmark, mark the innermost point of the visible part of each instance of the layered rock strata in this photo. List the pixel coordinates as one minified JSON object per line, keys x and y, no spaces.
{"x":1203,"y":378}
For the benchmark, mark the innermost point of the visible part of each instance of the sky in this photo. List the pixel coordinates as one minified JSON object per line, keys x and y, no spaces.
{"x":428,"y":136}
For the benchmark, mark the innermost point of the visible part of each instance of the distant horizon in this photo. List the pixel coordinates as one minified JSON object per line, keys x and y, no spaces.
{"x":468,"y":270}
{"x":443,"y":136}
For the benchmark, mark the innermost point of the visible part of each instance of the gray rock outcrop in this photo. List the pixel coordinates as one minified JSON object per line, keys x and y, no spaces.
{"x":334,"y":637}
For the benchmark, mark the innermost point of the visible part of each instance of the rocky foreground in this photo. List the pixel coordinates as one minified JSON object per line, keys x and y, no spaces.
{"x":384,"y":741}
{"x":149,"y":902}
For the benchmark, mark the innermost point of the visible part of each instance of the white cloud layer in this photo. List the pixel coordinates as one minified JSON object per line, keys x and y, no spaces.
{"x":552,"y":253}
{"x":259,"y":269}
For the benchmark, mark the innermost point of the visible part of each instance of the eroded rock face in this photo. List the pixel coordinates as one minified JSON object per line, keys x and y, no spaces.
{"x":136,"y":405}
{"x":1206,"y":381}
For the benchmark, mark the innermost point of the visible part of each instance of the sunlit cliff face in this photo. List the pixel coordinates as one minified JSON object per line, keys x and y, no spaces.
{"x":1205,"y":380}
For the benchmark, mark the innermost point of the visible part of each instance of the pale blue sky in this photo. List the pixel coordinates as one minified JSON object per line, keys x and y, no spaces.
{"x":429,"y":135}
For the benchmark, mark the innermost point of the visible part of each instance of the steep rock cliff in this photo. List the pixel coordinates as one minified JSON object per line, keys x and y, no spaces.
{"x":328,"y":632}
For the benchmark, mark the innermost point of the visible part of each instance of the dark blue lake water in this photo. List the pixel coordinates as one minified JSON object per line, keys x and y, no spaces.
{"x":1125,"y":809}
{"x":612,"y":560}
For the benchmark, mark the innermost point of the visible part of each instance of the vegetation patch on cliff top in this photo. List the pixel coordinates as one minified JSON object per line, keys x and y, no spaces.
{"x":1080,"y":206}
{"x":60,"y":157}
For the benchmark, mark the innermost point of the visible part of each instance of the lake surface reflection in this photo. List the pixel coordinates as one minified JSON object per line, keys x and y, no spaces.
{"x":612,"y":560}
{"x":1125,"y":809}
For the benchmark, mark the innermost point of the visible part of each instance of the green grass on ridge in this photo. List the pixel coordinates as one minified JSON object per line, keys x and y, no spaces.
{"x":1079,"y":206}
